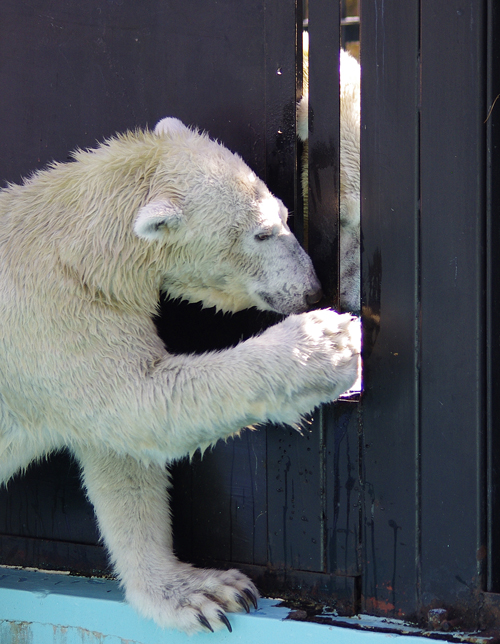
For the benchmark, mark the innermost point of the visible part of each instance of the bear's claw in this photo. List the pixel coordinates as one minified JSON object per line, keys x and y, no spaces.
{"x":203,"y":620}
{"x":251,"y":597}
{"x":225,"y":621}
{"x":243,"y":602}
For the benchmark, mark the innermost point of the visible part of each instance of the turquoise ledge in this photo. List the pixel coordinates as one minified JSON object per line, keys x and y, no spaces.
{"x":45,"y":608}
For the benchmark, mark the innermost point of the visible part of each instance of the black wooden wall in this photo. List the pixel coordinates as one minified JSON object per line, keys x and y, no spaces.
{"x":430,"y":284}
{"x":390,"y":506}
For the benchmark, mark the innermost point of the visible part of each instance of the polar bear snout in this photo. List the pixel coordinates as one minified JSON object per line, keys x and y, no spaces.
{"x":314,"y":296}
{"x":289,"y":300}
{"x":287,"y":282}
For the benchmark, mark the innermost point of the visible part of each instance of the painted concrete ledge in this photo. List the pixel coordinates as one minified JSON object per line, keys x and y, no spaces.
{"x":45,"y":608}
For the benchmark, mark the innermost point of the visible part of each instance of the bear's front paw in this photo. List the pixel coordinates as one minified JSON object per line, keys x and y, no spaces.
{"x":195,"y":599}
{"x":326,"y":347}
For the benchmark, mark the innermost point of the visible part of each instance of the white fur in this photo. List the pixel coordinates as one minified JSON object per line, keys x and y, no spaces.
{"x":153,"y":218}
{"x":303,"y":104}
{"x":169,"y":125}
{"x":85,"y":249}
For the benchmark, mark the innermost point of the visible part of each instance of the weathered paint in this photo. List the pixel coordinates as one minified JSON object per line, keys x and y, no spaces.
{"x":45,"y":608}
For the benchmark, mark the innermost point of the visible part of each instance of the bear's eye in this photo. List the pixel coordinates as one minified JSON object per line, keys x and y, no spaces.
{"x":264,"y":235}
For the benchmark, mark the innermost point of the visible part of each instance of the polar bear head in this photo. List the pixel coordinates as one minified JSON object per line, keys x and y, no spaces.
{"x":220,"y":236}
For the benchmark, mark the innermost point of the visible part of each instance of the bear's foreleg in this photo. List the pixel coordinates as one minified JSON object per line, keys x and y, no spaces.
{"x":278,"y":376}
{"x":131,"y":503}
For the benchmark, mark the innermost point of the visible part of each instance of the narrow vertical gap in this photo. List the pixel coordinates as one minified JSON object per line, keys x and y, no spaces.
{"x":323,"y":143}
{"x":299,"y":222}
{"x":302,"y":231}
{"x":418,"y":344}
{"x":492,"y":123}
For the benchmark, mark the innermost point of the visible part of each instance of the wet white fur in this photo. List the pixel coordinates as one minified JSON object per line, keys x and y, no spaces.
{"x":85,"y":249}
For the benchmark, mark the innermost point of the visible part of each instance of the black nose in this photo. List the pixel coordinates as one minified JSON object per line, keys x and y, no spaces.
{"x":313,"y":297}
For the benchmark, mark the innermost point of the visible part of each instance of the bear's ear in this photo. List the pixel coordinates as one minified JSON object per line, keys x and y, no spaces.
{"x":155,"y":218}
{"x":170,"y":125}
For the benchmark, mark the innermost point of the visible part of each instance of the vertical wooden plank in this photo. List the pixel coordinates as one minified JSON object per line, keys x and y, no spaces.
{"x":452,"y":304}
{"x":492,"y":291}
{"x":389,"y":181}
{"x":342,"y":502}
{"x":222,"y":513}
{"x":280,"y":74}
{"x":324,"y":44}
{"x":294,"y":497}
{"x":248,"y":493}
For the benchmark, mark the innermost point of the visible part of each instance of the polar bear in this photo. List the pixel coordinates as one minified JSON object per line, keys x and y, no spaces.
{"x":350,"y":200}
{"x":85,"y":249}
